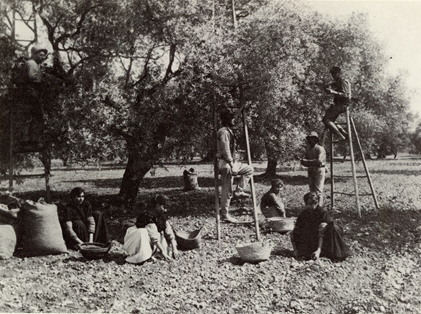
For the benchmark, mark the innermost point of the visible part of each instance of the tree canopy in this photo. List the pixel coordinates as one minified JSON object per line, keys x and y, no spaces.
{"x":141,"y":78}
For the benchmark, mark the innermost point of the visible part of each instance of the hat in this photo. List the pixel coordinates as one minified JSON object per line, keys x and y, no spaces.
{"x":312,"y":134}
{"x":226,"y":114}
{"x":335,"y":70}
{"x":37,"y":48}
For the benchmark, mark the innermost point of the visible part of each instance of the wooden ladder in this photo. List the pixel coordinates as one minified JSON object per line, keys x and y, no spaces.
{"x":352,"y":131}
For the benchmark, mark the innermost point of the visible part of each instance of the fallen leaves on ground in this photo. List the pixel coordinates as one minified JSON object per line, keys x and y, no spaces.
{"x":383,"y":275}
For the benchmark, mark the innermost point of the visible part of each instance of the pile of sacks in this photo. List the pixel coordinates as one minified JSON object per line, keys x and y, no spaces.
{"x":30,"y":228}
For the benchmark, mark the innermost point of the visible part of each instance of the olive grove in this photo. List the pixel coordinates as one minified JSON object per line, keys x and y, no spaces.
{"x":136,"y":79}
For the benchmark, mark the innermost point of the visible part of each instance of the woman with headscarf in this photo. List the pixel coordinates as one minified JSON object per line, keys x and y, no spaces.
{"x":316,"y":234}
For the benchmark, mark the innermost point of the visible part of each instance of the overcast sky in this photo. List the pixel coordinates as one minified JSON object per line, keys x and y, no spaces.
{"x":395,"y":23}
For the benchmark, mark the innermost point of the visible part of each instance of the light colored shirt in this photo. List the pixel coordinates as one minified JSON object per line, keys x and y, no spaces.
{"x":225,"y":144}
{"x":33,"y":71}
{"x":315,"y":157}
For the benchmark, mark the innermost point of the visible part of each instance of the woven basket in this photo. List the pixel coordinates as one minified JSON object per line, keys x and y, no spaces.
{"x":94,"y":250}
{"x":254,"y":252}
{"x":189,"y":240}
{"x":281,"y":224}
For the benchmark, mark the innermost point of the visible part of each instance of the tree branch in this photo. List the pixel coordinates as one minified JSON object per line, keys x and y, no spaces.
{"x":79,"y":24}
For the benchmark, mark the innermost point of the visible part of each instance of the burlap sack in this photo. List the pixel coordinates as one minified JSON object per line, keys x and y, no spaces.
{"x":190,"y":180}
{"x":8,"y":216}
{"x":41,"y":230}
{"x":8,"y":240}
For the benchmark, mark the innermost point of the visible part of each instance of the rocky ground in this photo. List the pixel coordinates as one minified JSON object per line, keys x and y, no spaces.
{"x":382,"y":276}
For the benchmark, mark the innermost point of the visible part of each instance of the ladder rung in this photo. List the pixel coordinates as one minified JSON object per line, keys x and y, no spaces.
{"x":349,"y":177}
{"x":351,"y":194}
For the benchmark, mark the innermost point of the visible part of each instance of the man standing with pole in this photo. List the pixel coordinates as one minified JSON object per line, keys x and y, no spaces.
{"x":229,"y":165}
{"x":315,"y":160}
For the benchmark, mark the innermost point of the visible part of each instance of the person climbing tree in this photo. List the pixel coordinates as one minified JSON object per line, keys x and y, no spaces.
{"x":29,"y":109}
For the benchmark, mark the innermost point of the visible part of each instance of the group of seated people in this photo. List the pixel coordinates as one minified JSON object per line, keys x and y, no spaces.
{"x":315,"y":233}
{"x":151,"y":235}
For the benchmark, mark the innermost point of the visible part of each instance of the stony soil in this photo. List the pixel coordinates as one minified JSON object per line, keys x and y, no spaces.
{"x":383,"y":275}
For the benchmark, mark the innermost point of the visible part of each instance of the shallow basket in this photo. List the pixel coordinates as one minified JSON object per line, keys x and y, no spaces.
{"x":254,"y":252}
{"x":281,"y":224}
{"x":189,"y":240}
{"x":94,"y":250}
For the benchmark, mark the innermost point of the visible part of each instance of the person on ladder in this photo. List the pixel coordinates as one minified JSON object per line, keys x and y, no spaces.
{"x":340,"y":88}
{"x":229,"y":165}
{"x":31,"y":109}
{"x":315,"y":160}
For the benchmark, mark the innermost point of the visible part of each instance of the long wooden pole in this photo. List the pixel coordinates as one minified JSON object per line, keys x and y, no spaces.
{"x":12,"y":107}
{"x":354,"y":173}
{"x":215,"y":171}
{"x":234,"y":19}
{"x":332,"y":179}
{"x":365,"y":165}
{"x":246,"y":135}
{"x":11,"y":146}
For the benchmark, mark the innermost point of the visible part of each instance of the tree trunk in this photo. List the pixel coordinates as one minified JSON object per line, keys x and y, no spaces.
{"x":133,"y":175}
{"x":141,"y":159}
{"x":45,"y":156}
{"x":271,"y":167}
{"x":272,"y":162}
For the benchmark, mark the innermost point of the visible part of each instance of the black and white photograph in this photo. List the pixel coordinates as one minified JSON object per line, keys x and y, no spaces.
{"x":210,"y":156}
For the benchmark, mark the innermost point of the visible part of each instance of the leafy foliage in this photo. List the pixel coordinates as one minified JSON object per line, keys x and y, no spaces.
{"x":142,"y":79}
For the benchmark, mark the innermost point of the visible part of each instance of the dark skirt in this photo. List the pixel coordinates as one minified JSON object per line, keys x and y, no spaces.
{"x":334,"y":246}
{"x":101,"y":234}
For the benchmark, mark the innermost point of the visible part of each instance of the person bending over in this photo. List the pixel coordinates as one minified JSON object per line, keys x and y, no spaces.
{"x":151,"y":235}
{"x":315,"y":233}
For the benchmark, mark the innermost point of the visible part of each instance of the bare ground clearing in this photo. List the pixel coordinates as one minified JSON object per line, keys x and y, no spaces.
{"x":383,"y":275}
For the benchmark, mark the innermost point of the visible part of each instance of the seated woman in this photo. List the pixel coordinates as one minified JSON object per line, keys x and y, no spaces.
{"x":316,"y":234}
{"x":151,"y":234}
{"x":81,"y":224}
{"x":271,"y":204}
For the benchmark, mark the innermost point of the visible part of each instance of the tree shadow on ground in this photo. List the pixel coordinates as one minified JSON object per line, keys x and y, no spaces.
{"x":415,"y":172}
{"x":99,"y":183}
{"x":287,"y":179}
{"x":170,"y":182}
{"x":390,"y":228}
{"x":386,"y":229}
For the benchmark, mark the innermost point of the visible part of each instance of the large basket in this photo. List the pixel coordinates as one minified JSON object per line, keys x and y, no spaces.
{"x":189,"y":240}
{"x":94,"y":250}
{"x":254,"y":252}
{"x":281,"y":224}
